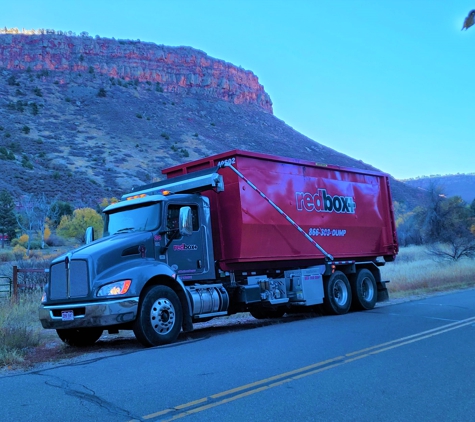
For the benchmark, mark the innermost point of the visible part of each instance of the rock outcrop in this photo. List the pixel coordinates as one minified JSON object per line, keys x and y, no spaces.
{"x":177,"y":69}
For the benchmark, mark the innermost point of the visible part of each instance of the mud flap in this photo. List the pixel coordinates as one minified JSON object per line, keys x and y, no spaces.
{"x":383,"y":294}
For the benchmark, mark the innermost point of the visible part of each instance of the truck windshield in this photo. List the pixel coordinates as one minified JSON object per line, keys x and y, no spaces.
{"x":144,"y":218}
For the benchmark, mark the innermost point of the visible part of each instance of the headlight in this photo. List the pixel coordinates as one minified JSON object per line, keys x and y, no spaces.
{"x":113,"y":289}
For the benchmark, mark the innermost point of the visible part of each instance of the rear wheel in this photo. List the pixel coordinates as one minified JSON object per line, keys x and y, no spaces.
{"x":364,"y":289}
{"x":79,"y":337}
{"x":159,"y":318}
{"x":337,"y":291}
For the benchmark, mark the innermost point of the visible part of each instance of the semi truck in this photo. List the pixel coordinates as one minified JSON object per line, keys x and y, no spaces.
{"x":234,"y":232}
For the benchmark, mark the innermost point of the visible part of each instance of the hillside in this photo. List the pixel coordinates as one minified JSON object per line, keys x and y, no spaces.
{"x":462,"y":185}
{"x":82,"y":119}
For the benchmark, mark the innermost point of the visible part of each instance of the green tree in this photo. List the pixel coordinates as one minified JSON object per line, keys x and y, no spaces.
{"x":8,"y":222}
{"x":446,"y":226}
{"x":75,"y":226}
{"x":58,"y":210}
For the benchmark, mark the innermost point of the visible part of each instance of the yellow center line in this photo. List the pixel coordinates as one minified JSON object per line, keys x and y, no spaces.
{"x":280,"y":379}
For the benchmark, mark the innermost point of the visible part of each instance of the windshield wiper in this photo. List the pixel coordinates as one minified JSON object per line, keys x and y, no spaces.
{"x":125,"y":229}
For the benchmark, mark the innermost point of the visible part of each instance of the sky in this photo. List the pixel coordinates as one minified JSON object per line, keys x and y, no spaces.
{"x":388,"y":82}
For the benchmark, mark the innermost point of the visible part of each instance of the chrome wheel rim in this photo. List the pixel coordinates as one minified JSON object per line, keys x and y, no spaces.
{"x":367,"y":289}
{"x":340,"y":293}
{"x":162,"y":316}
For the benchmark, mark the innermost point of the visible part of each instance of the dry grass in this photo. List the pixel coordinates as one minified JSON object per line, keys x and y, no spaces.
{"x":19,"y":327}
{"x":415,"y":272}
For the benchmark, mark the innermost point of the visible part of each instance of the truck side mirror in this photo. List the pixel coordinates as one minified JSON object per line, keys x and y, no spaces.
{"x":185,"y":221}
{"x":89,"y":235}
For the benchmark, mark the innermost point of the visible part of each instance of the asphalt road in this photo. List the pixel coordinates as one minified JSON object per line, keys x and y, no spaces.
{"x":413,"y":361}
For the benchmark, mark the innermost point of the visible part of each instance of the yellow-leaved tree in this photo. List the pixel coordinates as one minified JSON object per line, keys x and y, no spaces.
{"x":75,"y":226}
{"x":107,"y":201}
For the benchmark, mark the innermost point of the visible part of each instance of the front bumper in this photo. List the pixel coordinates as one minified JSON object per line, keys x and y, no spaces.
{"x":90,"y":314}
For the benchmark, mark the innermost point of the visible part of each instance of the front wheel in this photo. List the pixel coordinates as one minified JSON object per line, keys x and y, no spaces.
{"x":365,"y":293}
{"x":337,"y":291}
{"x":159,"y":318}
{"x":79,"y":337}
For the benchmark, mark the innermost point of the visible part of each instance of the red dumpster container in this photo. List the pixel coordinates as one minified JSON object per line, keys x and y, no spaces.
{"x":347,"y":211}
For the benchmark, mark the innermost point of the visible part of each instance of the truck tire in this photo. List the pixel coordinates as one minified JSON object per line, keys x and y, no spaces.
{"x":159,"y":318}
{"x":337,"y":290}
{"x":364,"y":289}
{"x":264,"y":313}
{"x":79,"y":337}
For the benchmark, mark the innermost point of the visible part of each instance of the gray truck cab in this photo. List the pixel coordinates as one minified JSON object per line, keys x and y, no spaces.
{"x":149,"y":272}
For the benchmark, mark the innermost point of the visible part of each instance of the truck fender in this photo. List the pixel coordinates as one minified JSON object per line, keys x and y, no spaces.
{"x":160,"y":273}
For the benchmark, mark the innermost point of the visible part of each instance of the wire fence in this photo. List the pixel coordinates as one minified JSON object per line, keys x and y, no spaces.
{"x":5,"y":286}
{"x":26,"y":280}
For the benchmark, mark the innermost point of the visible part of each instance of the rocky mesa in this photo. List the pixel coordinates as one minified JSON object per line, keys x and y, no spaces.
{"x":181,"y":70}
{"x":85,"y":118}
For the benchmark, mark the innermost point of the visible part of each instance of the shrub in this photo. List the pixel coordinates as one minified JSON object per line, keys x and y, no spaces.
{"x":19,"y":252}
{"x":25,"y":162}
{"x":19,"y":328}
{"x":19,"y":106}
{"x":138,"y":115}
{"x":6,"y":154}
{"x":6,"y":256}
{"x":25,"y":129}
{"x":34,"y":109}
{"x":35,"y":244}
{"x":15,"y":146}
{"x":101,"y":93}
{"x":165,"y":135}
{"x":54,"y":240}
{"x":37,"y":92}
{"x":12,"y":81}
{"x":47,"y":233}
{"x":21,"y":241}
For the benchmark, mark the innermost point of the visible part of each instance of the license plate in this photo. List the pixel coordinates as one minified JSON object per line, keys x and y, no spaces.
{"x":67,"y":315}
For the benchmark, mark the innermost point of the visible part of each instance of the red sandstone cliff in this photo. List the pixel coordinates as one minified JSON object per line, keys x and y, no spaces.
{"x":177,"y":69}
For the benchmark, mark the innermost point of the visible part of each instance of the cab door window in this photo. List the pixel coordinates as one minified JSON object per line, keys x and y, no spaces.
{"x":173,"y":214}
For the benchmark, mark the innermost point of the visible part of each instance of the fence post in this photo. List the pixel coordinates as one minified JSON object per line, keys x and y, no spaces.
{"x":15,"y":283}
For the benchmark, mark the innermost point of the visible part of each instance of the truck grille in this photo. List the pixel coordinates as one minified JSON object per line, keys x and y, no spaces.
{"x":78,"y":280}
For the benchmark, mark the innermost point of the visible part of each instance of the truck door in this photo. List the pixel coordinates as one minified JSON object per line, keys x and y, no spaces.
{"x":187,"y":255}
